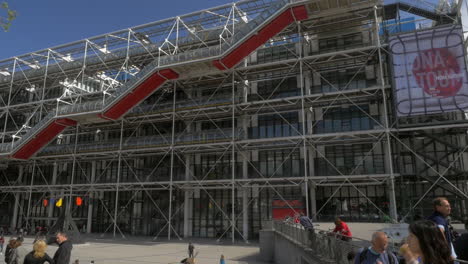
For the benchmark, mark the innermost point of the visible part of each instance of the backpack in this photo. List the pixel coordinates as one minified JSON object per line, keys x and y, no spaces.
{"x":363,"y":255}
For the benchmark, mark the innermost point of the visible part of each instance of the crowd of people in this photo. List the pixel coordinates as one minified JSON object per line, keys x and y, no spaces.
{"x":430,"y":241}
{"x":16,"y":253}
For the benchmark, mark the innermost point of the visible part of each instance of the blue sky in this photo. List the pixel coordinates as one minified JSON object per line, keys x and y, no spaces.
{"x":45,"y":23}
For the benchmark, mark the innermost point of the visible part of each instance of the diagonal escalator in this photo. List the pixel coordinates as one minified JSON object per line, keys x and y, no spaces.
{"x":249,"y":36}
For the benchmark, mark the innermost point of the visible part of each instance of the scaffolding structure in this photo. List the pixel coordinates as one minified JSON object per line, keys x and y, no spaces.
{"x":193,"y":125}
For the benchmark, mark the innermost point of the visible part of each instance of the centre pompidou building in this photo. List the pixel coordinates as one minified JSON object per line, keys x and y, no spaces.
{"x":212,"y":123}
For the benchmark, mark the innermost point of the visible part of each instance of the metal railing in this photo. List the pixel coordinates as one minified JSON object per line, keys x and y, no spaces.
{"x":8,"y":147}
{"x":202,"y":137}
{"x":326,"y":245}
{"x":328,"y":248}
{"x":242,"y":31}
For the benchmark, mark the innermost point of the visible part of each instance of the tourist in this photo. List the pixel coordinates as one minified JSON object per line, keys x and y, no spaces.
{"x":20,"y":235}
{"x":2,"y":242}
{"x":17,"y":253}
{"x":8,"y":249}
{"x":442,"y":210}
{"x":342,"y":230}
{"x":63,"y":253}
{"x":38,"y":255}
{"x":191,"y":247}
{"x":426,"y":245}
{"x":377,"y":252}
{"x":306,"y":222}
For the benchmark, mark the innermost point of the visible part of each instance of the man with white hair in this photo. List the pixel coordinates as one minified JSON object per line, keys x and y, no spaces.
{"x":377,"y":252}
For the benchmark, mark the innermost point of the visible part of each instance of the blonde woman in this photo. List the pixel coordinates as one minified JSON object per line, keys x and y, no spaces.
{"x":38,"y":255}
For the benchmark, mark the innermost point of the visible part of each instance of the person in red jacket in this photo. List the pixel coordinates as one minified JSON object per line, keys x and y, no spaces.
{"x":342,"y":230}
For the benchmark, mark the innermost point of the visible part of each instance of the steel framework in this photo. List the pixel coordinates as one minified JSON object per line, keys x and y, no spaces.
{"x":190,"y":126}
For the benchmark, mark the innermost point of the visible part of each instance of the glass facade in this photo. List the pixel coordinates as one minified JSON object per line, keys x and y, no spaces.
{"x":262,"y":128}
{"x":352,"y":118}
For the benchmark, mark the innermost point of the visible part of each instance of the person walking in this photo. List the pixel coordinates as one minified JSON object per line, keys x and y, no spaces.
{"x":426,"y":242}
{"x":17,"y":253}
{"x":442,"y":210}
{"x":9,"y":248}
{"x":63,"y":253}
{"x":306,"y":222}
{"x":342,"y":230}
{"x":191,"y":248}
{"x":377,"y":253}
{"x":221,"y":260}
{"x":38,"y":255}
{"x":2,"y":242}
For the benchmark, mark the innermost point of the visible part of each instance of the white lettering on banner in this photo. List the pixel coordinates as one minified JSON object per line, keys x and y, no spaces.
{"x":430,"y":73}
{"x":431,"y":59}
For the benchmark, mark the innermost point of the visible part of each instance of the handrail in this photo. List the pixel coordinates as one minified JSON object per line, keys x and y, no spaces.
{"x":242,"y":32}
{"x":151,"y":141}
{"x":326,"y":246}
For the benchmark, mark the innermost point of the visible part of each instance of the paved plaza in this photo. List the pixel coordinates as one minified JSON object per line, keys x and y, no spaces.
{"x":144,"y":250}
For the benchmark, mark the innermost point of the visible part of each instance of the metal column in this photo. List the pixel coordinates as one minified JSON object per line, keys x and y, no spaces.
{"x":89,"y":222}
{"x":50,"y":209}
{"x":172,"y":160}
{"x":14,"y":219}
{"x":391,"y":180}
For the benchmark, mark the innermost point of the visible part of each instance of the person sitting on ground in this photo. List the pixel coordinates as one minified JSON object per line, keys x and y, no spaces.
{"x":188,"y":261}
{"x":38,"y":255}
{"x":427,"y":243}
{"x":63,"y":253}
{"x":342,"y":230}
{"x":17,"y":253}
{"x":377,"y":253}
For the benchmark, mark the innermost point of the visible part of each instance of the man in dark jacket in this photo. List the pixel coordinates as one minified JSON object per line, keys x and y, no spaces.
{"x":63,"y":253}
{"x":442,"y":210}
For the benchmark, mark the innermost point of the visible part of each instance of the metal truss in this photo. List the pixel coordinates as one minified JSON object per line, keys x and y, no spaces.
{"x":102,"y":61}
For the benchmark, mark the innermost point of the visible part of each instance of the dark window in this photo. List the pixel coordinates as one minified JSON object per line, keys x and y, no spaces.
{"x":277,"y":125}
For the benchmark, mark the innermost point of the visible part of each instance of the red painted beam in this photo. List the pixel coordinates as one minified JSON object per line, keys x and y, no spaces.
{"x":138,"y":94}
{"x":300,"y":13}
{"x":279,"y":23}
{"x":43,"y":138}
{"x":66,"y":122}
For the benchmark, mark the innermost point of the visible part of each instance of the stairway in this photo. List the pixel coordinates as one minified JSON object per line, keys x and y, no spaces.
{"x":249,"y":36}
